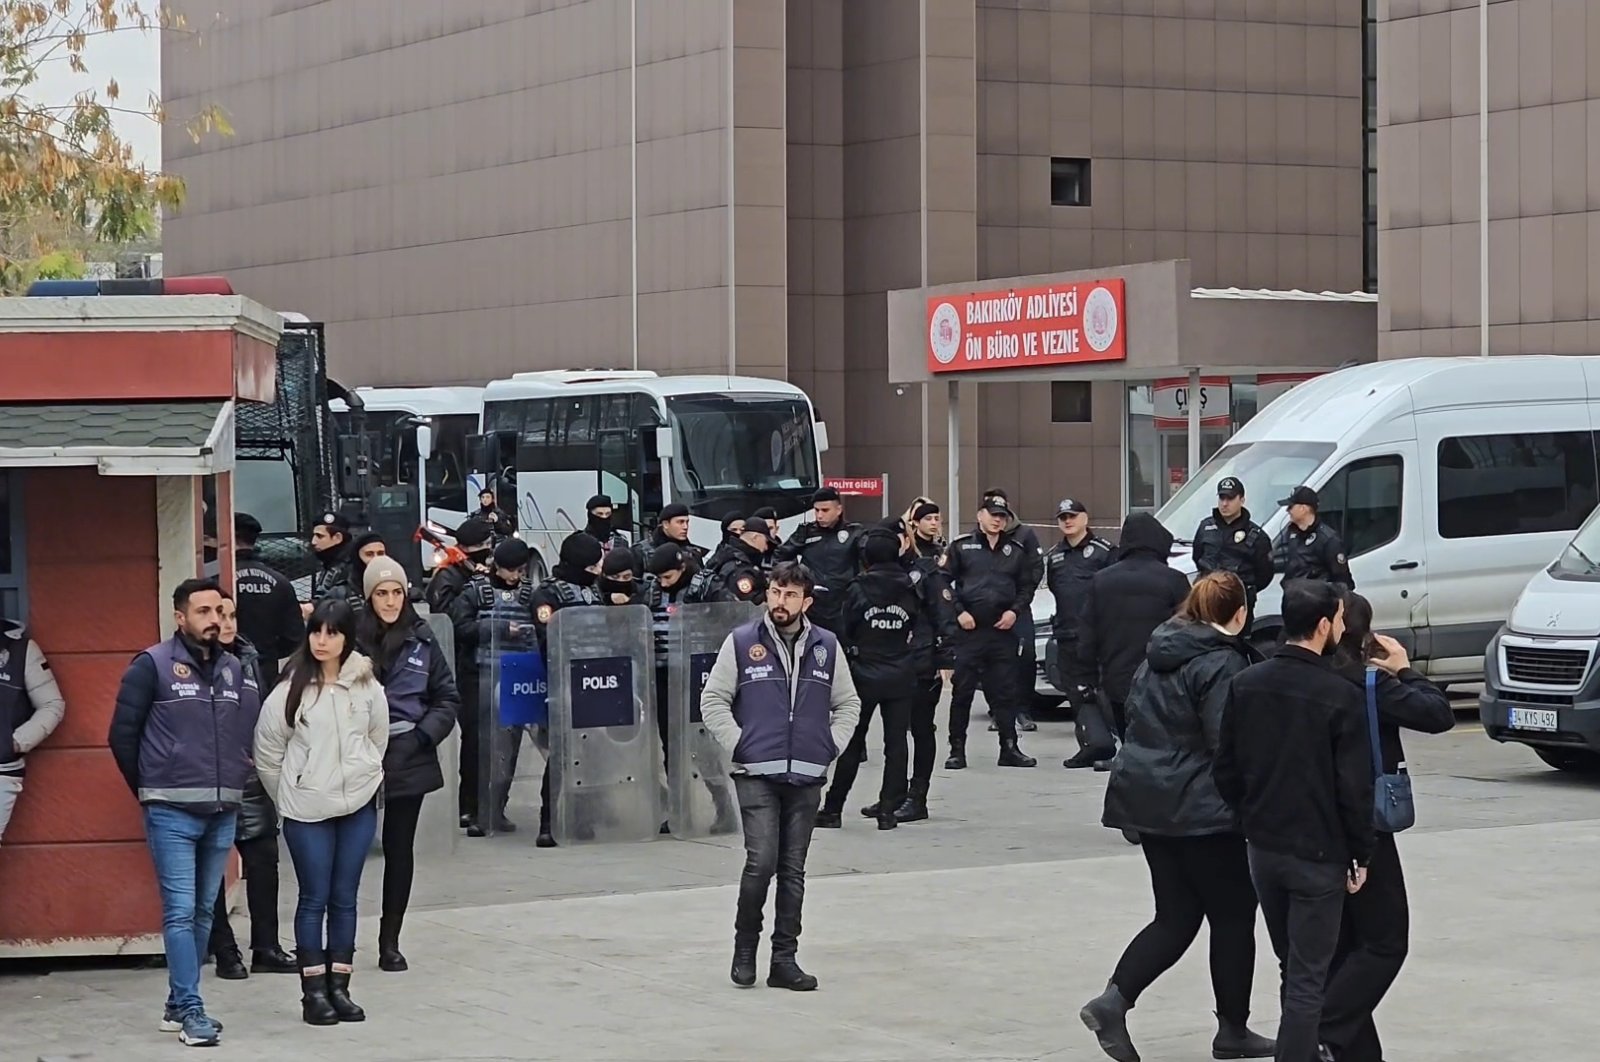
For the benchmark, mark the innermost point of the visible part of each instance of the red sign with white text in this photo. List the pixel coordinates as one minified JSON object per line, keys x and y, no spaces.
{"x":857,"y":487}
{"x":1061,"y":324}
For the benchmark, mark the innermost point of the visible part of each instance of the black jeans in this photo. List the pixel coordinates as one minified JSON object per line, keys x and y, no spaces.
{"x":1195,"y":879}
{"x":400,"y":816}
{"x":924,"y":730}
{"x":778,"y":820}
{"x":896,"y":721}
{"x":260,"y":856}
{"x":1372,"y":948}
{"x":1302,"y":903}
{"x":986,"y":657}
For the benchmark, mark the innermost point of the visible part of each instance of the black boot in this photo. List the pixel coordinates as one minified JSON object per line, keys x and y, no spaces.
{"x":886,"y":820}
{"x":390,"y":960}
{"x":273,"y":960}
{"x":339,"y":968}
{"x":958,"y":755}
{"x":829,"y":820}
{"x":787,"y":974}
{"x":1107,"y":1017}
{"x":744,"y":961}
{"x":1012,"y":756}
{"x":1087,"y":758}
{"x":315,"y":1007}
{"x":230,"y":965}
{"x":870,"y":811}
{"x":914,"y":808}
{"x":1235,"y":1040}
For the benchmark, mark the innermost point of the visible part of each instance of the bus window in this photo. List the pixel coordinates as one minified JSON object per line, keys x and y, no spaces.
{"x":760,"y":448}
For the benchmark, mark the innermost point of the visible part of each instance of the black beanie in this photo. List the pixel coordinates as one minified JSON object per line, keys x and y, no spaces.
{"x":511,"y":554}
{"x":767,"y":513}
{"x":728,"y":521}
{"x":473,"y":533}
{"x":926,"y":509}
{"x":673,"y":511}
{"x":617,"y":561}
{"x":879,"y":547}
{"x":599,"y":501}
{"x":665,"y":558}
{"x":826,"y":494}
{"x":581,"y":551}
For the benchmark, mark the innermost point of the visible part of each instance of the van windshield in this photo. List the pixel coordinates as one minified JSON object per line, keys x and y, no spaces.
{"x":1581,"y":558}
{"x":1269,"y":470}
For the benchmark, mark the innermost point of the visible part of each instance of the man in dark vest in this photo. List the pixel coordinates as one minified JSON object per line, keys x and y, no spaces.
{"x":780,"y":702}
{"x":181,"y":734}
{"x":30,"y":709}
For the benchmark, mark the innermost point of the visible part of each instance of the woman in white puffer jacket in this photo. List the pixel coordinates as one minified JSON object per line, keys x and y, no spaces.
{"x":319,"y":751}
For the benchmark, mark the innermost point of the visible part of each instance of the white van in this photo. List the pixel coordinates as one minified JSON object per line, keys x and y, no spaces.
{"x":1450,"y":480}
{"x":1539,"y":677}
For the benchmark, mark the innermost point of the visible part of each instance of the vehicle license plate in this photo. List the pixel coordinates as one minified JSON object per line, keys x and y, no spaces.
{"x":1533,"y":719}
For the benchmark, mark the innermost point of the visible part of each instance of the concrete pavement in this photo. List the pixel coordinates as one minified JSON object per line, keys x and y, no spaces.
{"x":976,"y":935}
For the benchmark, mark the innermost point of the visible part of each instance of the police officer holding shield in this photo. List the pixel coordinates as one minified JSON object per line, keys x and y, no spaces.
{"x":1229,"y":541}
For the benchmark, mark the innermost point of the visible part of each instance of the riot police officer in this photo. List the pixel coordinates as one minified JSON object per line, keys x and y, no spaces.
{"x":1309,"y":548}
{"x":826,"y":544}
{"x":989,"y":573}
{"x":617,"y":585}
{"x":1229,"y":541}
{"x":493,"y":615}
{"x":602,"y":523}
{"x":572,"y":583}
{"x":736,"y":571}
{"x":880,"y":620}
{"x":1068,"y":567}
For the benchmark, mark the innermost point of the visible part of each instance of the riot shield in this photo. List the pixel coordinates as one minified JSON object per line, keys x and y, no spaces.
{"x":603,"y":746}
{"x":700,"y":794}
{"x":437,"y":830}
{"x":510,"y":699}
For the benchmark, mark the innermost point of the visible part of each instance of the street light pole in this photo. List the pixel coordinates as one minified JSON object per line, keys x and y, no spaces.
{"x":1483,"y":178}
{"x":922,"y":140}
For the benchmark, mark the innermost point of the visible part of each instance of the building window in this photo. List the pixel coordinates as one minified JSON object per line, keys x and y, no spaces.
{"x":13,"y":568}
{"x":1070,"y":402}
{"x":1369,"y":147}
{"x":1496,"y":485}
{"x":1069,"y":182}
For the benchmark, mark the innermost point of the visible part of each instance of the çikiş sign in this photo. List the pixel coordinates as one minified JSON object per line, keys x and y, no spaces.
{"x":1059,"y":324}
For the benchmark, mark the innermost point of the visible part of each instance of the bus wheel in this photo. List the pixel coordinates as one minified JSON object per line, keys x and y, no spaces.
{"x":1578,"y":761}
{"x":538,"y":571}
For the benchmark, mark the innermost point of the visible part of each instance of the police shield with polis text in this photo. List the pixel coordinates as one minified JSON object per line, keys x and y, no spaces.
{"x":603,"y":743}
{"x":700,"y":794}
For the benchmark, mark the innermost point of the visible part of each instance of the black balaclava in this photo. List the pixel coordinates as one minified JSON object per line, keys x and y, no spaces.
{"x":617,"y":562}
{"x":598,"y":528}
{"x":580,"y":551}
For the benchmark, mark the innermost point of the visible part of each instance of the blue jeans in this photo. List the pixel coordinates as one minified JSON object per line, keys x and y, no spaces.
{"x":328,"y":857}
{"x":190,"y":853}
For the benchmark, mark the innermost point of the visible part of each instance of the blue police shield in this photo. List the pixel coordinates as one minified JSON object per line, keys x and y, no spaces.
{"x":700,"y":795}
{"x":523,"y":690}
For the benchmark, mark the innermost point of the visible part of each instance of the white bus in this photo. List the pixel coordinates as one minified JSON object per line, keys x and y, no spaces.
{"x":417,"y":438}
{"x":717,"y":444}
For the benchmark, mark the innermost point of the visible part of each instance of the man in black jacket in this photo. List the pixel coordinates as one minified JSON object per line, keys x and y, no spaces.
{"x":602,"y":523}
{"x":992,"y":582}
{"x":1068,"y":568}
{"x":474,"y":538}
{"x":1293,"y":761}
{"x":826,"y":544}
{"x":1309,"y":548}
{"x":736,"y":572}
{"x":931,"y":646}
{"x":1126,"y":602}
{"x":330,"y":541}
{"x":671,"y":526}
{"x":269,"y":614}
{"x":1229,"y":541}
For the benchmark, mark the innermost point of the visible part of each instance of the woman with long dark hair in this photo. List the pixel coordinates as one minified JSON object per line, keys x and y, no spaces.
{"x":1161,"y":789}
{"x":319,"y":750}
{"x":1377,"y":920}
{"x":423,"y":705}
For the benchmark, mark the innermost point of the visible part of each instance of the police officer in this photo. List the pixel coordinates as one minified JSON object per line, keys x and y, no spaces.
{"x":671,"y":526}
{"x":489,"y":512}
{"x":1068,"y":567}
{"x":1309,"y":548}
{"x":330,"y":542}
{"x":269,"y":616}
{"x":665,"y":588}
{"x":931,"y":646}
{"x":1229,"y":541}
{"x":602,"y":526}
{"x":572,"y":583}
{"x":738,"y":571}
{"x":492,"y":616}
{"x":826,"y":544}
{"x":473,"y":539}
{"x":1027,"y":655}
{"x":617,"y":585}
{"x":989,"y":573}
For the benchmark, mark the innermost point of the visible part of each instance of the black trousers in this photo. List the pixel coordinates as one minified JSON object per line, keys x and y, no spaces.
{"x":260,"y":857}
{"x":924,"y":730}
{"x":1197,"y":879}
{"x":400,"y":815}
{"x":778,"y":820}
{"x":1302,"y":903}
{"x":1027,"y":659}
{"x":985,"y":657}
{"x":1372,"y":948}
{"x":896,"y":721}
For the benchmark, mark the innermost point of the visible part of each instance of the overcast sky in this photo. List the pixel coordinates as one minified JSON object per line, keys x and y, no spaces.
{"x":134,"y":60}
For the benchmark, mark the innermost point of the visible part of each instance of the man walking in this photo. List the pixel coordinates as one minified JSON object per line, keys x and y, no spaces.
{"x":181,"y":734}
{"x":781,"y":703}
{"x":1294,"y":763}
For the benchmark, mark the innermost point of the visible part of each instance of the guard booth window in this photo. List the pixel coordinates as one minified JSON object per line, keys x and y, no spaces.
{"x":13,"y":569}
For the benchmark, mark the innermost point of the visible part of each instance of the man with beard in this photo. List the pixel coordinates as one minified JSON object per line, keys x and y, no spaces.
{"x":780,"y":702}
{"x":671,"y":526}
{"x":736,"y":571}
{"x":600,"y":527}
{"x":826,"y":544}
{"x":330,"y":542}
{"x":473,"y":539}
{"x":571,"y":584}
{"x":181,"y":734}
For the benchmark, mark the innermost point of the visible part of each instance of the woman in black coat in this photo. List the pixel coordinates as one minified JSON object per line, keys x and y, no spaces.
{"x":1377,"y":920}
{"x":423,"y":705}
{"x":1161,"y":789}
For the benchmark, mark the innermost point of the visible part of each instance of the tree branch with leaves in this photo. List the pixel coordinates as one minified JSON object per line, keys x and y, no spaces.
{"x":67,"y":179}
